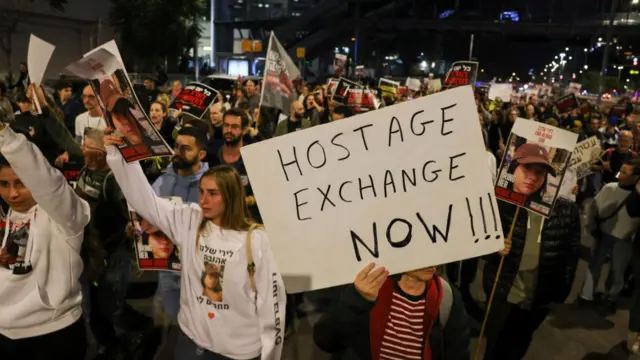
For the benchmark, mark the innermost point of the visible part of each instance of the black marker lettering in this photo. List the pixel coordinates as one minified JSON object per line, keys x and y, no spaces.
{"x":452,"y":167}
{"x":325,"y":197}
{"x":298,"y":205}
{"x":434,"y":172}
{"x":374,"y":252}
{"x":394,"y":120}
{"x":436,"y":230}
{"x":388,"y":180}
{"x":444,"y":121}
{"x":324,"y":155}
{"x":367,"y":187}
{"x":407,"y":238}
{"x":340,"y":191}
{"x":493,"y":212}
{"x":473,"y":231}
{"x":424,"y":128}
{"x":284,"y":165}
{"x":484,"y":219}
{"x":405,"y":178}
{"x":342,"y":146}
{"x":364,"y":139}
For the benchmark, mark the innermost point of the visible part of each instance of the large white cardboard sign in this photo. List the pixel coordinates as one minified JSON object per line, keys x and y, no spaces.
{"x":406,"y":187}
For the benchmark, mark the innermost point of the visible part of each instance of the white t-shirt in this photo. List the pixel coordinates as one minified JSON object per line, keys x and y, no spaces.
{"x":85,"y":120}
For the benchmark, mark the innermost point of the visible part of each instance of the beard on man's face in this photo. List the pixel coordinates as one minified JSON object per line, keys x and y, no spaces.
{"x":232,"y":140}
{"x":179,"y":162}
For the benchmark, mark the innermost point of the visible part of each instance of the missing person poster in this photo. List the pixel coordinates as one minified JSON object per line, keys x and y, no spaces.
{"x":341,"y":93}
{"x":118,"y":101}
{"x":339,"y":196}
{"x":534,"y":164}
{"x":362,"y":100}
{"x":567,"y":103}
{"x":461,"y":73}
{"x":195,"y":99}
{"x":154,"y":250}
{"x":586,"y":153}
{"x":339,"y":64}
{"x":388,"y":88}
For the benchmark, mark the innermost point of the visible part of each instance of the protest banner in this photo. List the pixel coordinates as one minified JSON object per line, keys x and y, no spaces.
{"x":339,"y":64}
{"x":361,"y":100}
{"x":586,"y":153}
{"x":347,"y":193}
{"x":119,"y":103}
{"x":195,"y":99}
{"x":502,"y":91}
{"x":412,"y":84}
{"x":38,"y":56}
{"x":331,"y":86}
{"x":341,"y":93}
{"x":154,"y":250}
{"x":534,"y":164}
{"x":388,"y":88}
{"x":461,"y":73}
{"x":434,"y":85}
{"x":567,"y":103}
{"x":277,"y":89}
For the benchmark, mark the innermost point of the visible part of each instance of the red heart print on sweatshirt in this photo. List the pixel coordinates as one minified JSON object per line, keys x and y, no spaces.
{"x":211,"y":315}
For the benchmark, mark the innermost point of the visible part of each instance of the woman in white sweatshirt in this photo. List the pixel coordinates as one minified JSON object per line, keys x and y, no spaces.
{"x":40,"y":264}
{"x":221,"y":316}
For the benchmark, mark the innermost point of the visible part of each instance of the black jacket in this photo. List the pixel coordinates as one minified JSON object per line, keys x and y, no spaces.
{"x":344,"y":330}
{"x":633,"y":204}
{"x":559,"y":254}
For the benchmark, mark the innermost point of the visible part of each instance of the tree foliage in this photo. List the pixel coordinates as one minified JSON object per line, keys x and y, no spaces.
{"x":154,"y":30}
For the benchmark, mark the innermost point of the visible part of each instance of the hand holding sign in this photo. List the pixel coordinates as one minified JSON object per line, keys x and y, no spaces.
{"x":507,"y":247}
{"x":368,"y":282}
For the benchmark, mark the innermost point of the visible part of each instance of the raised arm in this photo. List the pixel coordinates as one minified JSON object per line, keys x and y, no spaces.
{"x":162,"y":213}
{"x":47,"y":185}
{"x":61,"y":135}
{"x":272,"y":298}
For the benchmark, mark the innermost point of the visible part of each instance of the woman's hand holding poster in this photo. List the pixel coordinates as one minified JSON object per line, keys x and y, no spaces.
{"x":115,"y":95}
{"x":534,"y":165}
{"x":154,"y":250}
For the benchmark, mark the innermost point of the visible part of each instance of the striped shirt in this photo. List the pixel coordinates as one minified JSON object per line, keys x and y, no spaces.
{"x":404,"y":334}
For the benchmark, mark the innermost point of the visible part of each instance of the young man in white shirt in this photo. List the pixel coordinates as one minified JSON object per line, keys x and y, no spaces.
{"x":93,"y":117}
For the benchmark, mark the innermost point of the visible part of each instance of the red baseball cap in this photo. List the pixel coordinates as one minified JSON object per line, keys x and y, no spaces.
{"x":534,"y":154}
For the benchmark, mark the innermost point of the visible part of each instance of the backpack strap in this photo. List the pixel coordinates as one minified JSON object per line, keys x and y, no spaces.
{"x":251,"y":265}
{"x":447,"y":302}
{"x":104,"y":184}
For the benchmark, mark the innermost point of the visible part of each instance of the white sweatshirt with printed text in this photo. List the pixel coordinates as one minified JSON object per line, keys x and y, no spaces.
{"x":229,"y":321}
{"x":48,"y":298}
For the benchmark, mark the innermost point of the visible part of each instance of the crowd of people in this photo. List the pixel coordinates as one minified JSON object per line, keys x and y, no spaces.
{"x":68,"y":248}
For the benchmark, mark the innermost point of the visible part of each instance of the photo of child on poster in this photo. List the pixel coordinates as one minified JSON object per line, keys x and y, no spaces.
{"x":534,"y":165}
{"x":121,"y":107}
{"x":154,"y":250}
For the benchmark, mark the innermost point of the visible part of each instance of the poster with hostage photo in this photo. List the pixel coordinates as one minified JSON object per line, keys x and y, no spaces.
{"x":116,"y":97}
{"x":154,"y":250}
{"x":534,"y":165}
{"x":15,"y":240}
{"x":211,"y":279}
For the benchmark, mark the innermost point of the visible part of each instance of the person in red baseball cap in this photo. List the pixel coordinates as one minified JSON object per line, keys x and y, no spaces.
{"x":530,"y":167}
